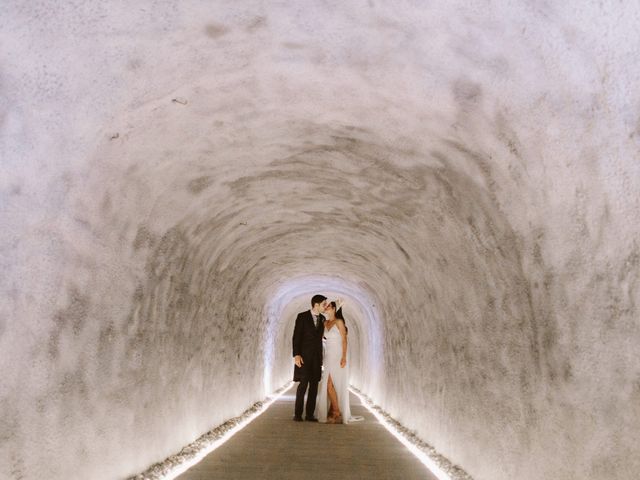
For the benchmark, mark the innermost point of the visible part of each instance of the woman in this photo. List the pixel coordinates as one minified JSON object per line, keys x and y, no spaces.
{"x":333,"y":391}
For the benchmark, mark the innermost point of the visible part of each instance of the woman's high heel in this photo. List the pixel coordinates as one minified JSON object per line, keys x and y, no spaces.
{"x":335,"y":418}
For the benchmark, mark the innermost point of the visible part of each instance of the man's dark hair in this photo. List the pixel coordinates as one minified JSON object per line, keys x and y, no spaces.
{"x":317,"y":299}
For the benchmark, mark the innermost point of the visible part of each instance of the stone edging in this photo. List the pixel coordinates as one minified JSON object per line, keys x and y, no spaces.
{"x":159,"y":471}
{"x":454,"y":471}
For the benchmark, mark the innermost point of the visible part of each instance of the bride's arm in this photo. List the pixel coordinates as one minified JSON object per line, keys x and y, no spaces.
{"x":343,"y":332}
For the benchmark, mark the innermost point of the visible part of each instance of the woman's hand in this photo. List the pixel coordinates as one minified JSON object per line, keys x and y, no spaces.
{"x":343,"y":362}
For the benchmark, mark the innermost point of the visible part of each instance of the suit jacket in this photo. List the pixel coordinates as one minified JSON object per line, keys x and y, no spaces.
{"x":307,"y":342}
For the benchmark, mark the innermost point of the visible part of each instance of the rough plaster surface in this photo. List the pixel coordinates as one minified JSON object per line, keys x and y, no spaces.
{"x":177,"y":177}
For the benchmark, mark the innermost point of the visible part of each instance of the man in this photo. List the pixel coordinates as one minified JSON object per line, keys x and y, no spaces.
{"x":307,"y":356}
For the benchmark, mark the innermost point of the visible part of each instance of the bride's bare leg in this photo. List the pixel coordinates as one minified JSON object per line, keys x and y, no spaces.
{"x":333,"y":399}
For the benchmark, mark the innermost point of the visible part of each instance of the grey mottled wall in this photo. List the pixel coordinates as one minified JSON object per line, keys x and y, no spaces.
{"x":177,"y":178}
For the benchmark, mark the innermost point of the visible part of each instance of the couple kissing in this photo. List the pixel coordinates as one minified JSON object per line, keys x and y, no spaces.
{"x":320,"y":358}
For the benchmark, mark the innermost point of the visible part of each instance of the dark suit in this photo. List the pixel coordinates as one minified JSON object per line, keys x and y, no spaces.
{"x":307,"y":342}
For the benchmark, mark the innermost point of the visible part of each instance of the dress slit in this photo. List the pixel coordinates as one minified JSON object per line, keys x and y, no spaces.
{"x":337,"y":375}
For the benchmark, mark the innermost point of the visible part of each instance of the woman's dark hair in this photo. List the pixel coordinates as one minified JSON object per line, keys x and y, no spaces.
{"x":339,"y":315}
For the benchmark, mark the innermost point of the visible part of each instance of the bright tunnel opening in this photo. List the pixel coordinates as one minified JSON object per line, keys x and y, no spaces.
{"x":365,"y":328}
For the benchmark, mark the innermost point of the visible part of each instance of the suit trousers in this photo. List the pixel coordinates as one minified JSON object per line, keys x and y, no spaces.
{"x":311,"y":397}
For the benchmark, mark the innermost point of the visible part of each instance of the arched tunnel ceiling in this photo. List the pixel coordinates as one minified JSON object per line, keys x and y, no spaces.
{"x":467,"y":173}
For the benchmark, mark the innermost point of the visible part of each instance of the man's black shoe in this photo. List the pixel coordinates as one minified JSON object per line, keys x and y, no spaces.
{"x":311,"y":419}
{"x":297,"y":419}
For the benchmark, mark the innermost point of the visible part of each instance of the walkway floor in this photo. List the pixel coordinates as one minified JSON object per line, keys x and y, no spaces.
{"x":273,"y":446}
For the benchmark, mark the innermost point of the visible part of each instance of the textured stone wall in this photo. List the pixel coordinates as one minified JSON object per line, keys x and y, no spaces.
{"x":178,"y":177}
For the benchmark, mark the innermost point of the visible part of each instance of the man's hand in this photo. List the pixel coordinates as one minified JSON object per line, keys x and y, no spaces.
{"x":343,"y":362}
{"x":298,"y":361}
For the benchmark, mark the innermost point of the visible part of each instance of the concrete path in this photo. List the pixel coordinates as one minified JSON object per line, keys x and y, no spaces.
{"x":273,"y":446}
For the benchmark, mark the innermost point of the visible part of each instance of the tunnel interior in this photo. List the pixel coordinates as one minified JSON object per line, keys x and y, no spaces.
{"x":178,"y":180}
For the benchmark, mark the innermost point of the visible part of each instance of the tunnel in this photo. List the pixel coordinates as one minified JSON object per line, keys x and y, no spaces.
{"x":179,"y":178}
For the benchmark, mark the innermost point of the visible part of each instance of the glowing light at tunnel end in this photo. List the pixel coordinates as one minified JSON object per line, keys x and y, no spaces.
{"x":306,"y":285}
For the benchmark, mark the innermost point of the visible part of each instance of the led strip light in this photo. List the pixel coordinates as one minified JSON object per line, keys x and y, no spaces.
{"x":186,"y":465}
{"x":420,"y":455}
{"x":427,"y":461}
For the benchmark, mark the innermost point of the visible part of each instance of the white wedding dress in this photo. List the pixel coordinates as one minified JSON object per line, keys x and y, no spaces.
{"x":339,"y":376}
